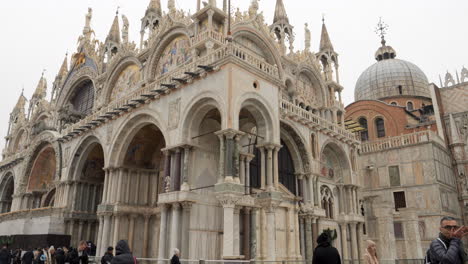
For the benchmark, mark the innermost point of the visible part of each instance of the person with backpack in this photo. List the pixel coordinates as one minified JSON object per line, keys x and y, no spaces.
{"x":448,"y":247}
{"x":123,"y":255}
{"x":325,"y":253}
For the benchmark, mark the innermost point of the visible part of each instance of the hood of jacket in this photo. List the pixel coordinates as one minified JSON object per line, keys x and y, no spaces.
{"x":122,"y":248}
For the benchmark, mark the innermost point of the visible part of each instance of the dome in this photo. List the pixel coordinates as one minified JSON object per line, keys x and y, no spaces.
{"x":391,"y":77}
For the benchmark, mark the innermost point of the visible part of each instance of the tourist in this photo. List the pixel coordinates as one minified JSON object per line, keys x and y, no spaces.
{"x":107,"y":258}
{"x":370,"y":257}
{"x":123,"y":255}
{"x":91,"y":248}
{"x":28,"y":257}
{"x":60,"y":256}
{"x":17,"y":256}
{"x":175,"y":258}
{"x":5,"y":256}
{"x":79,"y":256}
{"x":448,"y":247}
{"x":51,"y":255}
{"x":325,"y":253}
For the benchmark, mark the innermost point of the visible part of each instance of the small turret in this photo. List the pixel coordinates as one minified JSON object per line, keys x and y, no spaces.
{"x":282,"y":28}
{"x":150,"y":22}
{"x":327,"y":55}
{"x":113,"y":38}
{"x":39,"y":94}
{"x":60,"y":78}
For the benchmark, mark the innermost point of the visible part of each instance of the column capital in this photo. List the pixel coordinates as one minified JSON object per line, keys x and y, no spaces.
{"x":228,"y":201}
{"x":230,"y":133}
{"x":176,"y":206}
{"x":186,"y":205}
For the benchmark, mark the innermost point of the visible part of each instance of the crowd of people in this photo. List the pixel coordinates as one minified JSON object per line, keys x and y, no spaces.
{"x":447,"y":248}
{"x":67,"y":255}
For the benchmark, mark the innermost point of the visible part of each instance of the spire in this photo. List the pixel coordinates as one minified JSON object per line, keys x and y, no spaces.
{"x":41,"y":89}
{"x":384,"y":52}
{"x":280,"y":12}
{"x":154,"y":7}
{"x":19,"y":107}
{"x":114,"y":33}
{"x":64,"y":68}
{"x":325,"y":42}
{"x":454,"y":131}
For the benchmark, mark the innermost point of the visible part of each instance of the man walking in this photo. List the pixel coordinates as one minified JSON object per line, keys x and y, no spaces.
{"x":448,"y":247}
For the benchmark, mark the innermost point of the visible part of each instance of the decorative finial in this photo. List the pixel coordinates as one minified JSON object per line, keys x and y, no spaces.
{"x":43,"y":71}
{"x":22,"y":91}
{"x":323,"y":18}
{"x":381,"y":30}
{"x":117,"y":12}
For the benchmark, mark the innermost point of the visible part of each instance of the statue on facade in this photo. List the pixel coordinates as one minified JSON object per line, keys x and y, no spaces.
{"x":253,"y":9}
{"x":307,"y":37}
{"x":125,"y":28}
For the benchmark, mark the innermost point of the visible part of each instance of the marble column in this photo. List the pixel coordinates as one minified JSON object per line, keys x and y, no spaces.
{"x":342,"y":199}
{"x":131,"y":230}
{"x":228,"y":226}
{"x":221,"y":158}
{"x":275,"y":167}
{"x":99,"y":235}
{"x":262,"y":167}
{"x":129,"y":181}
{"x":242,"y":169}
{"x":119,"y":186}
{"x":302,"y":237}
{"x":412,"y":235}
{"x":236,"y":231}
{"x":177,"y":172}
{"x":175,"y":227}
{"x":106,"y":186}
{"x":300,"y":184}
{"x":247,"y":172}
{"x":162,"y":234}
{"x":80,"y":230}
{"x":271,"y":232}
{"x":354,"y":242}
{"x":359,"y":241}
{"x":88,"y":231}
{"x":308,"y":241}
{"x":246,"y":236}
{"x":116,"y":229}
{"x":344,"y":241}
{"x":317,"y":191}
{"x":386,"y":247}
{"x":147,"y":218}
{"x":315,"y":233}
{"x":106,"y":233}
{"x":167,"y":170}
{"x":185,"y":184}
{"x":186,"y":207}
{"x":269,"y":169}
{"x":253,"y":233}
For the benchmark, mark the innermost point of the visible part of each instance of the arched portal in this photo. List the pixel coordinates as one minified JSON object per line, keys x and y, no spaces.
{"x":287,"y":173}
{"x":42,"y":174}
{"x":335,"y":164}
{"x":206,"y":155}
{"x":7,"y":187}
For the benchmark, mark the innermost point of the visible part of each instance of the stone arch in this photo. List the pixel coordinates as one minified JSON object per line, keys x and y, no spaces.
{"x":316,"y":79}
{"x":261,"y":113}
{"x":84,"y":147}
{"x":19,"y":140}
{"x":165,"y":39}
{"x":197,"y":109}
{"x":267,"y":43}
{"x":49,"y":199}
{"x":127,"y":131}
{"x":7,"y":188}
{"x":297,"y":145}
{"x":335,"y":163}
{"x":115,"y":73}
{"x":75,"y":79}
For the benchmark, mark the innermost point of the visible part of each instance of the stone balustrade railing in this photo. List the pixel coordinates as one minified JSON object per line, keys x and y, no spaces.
{"x":401,"y":141}
{"x":316,"y":121}
{"x":208,"y":35}
{"x":142,"y":94}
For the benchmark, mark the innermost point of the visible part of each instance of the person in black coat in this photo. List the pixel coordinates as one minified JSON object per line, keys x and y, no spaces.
{"x":108,"y":256}
{"x":28,"y":257}
{"x":123,"y":255}
{"x":175,"y":258}
{"x":79,"y":256}
{"x":448,"y":247}
{"x":5,"y":256}
{"x":325,"y":253}
{"x":59,"y":256}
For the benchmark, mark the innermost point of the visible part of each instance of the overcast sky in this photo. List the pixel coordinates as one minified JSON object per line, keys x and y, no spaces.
{"x":432,"y":34}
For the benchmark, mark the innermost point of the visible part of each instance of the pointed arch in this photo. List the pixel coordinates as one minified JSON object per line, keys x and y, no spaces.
{"x":118,"y":71}
{"x":335,"y":163}
{"x":7,"y":189}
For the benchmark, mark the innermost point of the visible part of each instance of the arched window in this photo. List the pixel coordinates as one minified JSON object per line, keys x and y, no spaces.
{"x":409,"y":106}
{"x":286,"y":170}
{"x":83,"y":100}
{"x":327,"y":201}
{"x":380,"y":126}
{"x":6,"y":193}
{"x":365,"y":132}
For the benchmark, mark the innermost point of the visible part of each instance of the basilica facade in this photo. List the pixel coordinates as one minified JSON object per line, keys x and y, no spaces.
{"x":213,"y":135}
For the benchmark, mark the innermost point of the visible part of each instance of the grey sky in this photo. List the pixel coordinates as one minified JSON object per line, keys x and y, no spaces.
{"x":432,"y":34}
